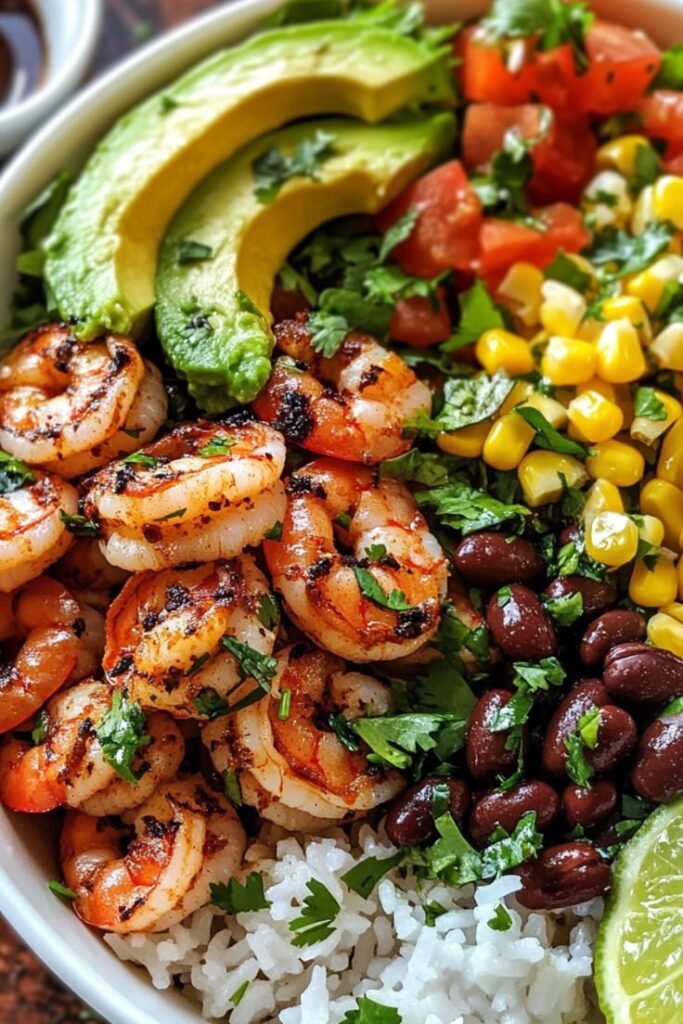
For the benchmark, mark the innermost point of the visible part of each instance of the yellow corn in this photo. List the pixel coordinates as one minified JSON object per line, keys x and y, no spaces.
{"x":562,"y":309}
{"x":648,"y":431}
{"x":670,"y":464}
{"x":611,"y":538}
{"x":507,"y":442}
{"x":468,"y":442}
{"x":602,"y":387}
{"x":540,"y":474}
{"x":521,"y":390}
{"x":554,"y":411}
{"x":621,"y":153}
{"x":620,"y":463}
{"x":594,"y":417}
{"x":651,"y":530}
{"x":667,"y":348}
{"x":522,"y":287}
{"x":668,"y":199}
{"x":602,"y":497}
{"x":619,"y":353}
{"x":501,"y":350}
{"x":675,"y":609}
{"x":628,"y":307}
{"x":568,"y":361}
{"x":643,"y":210}
{"x":666,"y":632}
{"x":617,"y":210}
{"x":654,"y":587}
{"x":649,"y":284}
{"x":664,"y":500}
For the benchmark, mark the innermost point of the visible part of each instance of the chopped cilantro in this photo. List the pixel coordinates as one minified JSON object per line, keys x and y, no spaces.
{"x":429,"y":468}
{"x":61,"y":890}
{"x":376,"y":552}
{"x":670,"y":74}
{"x":252,"y":664}
{"x":40,"y":728}
{"x":674,"y":708}
{"x":462,"y":507}
{"x":14,"y":474}
{"x":401,"y":230}
{"x":217,"y":446}
{"x":554,"y":21}
{"x":370,"y":1012}
{"x":466,"y":402}
{"x":364,"y":876}
{"x":272,"y":169}
{"x":327,"y":331}
{"x":548,"y":437}
{"x":79,"y":525}
{"x":395,"y":601}
{"x":317,"y":916}
{"x":239,"y":993}
{"x":565,"y":610}
{"x":141,"y":459}
{"x":646,"y":404}
{"x":177,"y":513}
{"x":247,"y":305}
{"x":564,"y":269}
{"x":274,"y":533}
{"x":232,"y":788}
{"x":209,"y":702}
{"x":396,"y":739}
{"x":478,"y":313}
{"x":433,"y":910}
{"x":584,"y":737}
{"x":122,"y":734}
{"x":630,"y":253}
{"x":502,"y":189}
{"x":268,"y":611}
{"x":292,"y":280}
{"x":646,"y":167}
{"x":501,"y":920}
{"x":234,"y":897}
{"x":190,"y":251}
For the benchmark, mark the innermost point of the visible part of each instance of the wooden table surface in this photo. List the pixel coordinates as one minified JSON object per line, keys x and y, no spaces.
{"x":28,"y":993}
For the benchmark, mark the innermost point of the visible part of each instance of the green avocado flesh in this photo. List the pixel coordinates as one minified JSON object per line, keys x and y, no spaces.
{"x":212,"y":314}
{"x":101,"y":255}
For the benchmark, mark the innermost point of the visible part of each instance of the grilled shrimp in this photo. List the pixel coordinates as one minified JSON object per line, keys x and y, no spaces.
{"x":293,"y":768}
{"x":378,"y":598}
{"x":32,"y":531}
{"x":164,"y":633}
{"x":149,"y":876}
{"x":57,"y":640}
{"x":67,"y":766}
{"x":60,"y":397}
{"x":86,"y":571}
{"x":204,"y":491}
{"x":145,"y":419}
{"x":352,"y":406}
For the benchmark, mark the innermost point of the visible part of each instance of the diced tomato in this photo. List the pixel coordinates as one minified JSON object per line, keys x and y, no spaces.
{"x":622,"y":63}
{"x":504,"y":242}
{"x":417,"y":323}
{"x":445,"y":235}
{"x":544,"y":77}
{"x":563,"y":161}
{"x":662,"y":115}
{"x":674,"y":165}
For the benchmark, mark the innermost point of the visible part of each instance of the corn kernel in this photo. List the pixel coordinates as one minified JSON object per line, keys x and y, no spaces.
{"x":668,"y":199}
{"x":653,"y":587}
{"x":554,"y":411}
{"x":666,"y":632}
{"x":649,"y":284}
{"x":621,"y":153}
{"x":500,"y":350}
{"x":651,"y":530}
{"x":607,"y":199}
{"x":611,"y":538}
{"x":602,"y":387}
{"x":522,"y":287}
{"x":562,"y":309}
{"x":675,"y":609}
{"x":619,"y":353}
{"x":621,"y":464}
{"x":662,"y":499}
{"x":540,"y":475}
{"x":568,"y":361}
{"x":602,"y":497}
{"x":628,"y":307}
{"x":643,"y":210}
{"x":667,"y":348}
{"x":507,"y":442}
{"x":670,"y":464}
{"x":647,"y":430}
{"x":468,"y":442}
{"x":594,"y":417}
{"x":519,"y":394}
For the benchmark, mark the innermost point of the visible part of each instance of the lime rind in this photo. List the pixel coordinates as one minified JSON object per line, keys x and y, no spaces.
{"x":643,"y":926}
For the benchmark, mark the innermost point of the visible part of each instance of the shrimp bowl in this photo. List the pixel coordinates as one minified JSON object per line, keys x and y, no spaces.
{"x":341,"y":519}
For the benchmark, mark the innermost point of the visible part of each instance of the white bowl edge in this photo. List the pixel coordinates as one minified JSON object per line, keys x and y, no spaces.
{"x":122,"y":994}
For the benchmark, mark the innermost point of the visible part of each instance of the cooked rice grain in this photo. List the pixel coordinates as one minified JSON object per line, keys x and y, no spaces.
{"x":459,"y":971}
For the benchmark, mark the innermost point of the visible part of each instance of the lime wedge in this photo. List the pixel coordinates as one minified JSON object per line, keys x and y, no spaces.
{"x":639,"y":954}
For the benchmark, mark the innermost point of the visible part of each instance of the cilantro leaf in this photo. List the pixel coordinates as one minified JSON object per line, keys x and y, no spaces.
{"x":670,"y":74}
{"x":234,"y":897}
{"x":327,"y":331}
{"x":14,"y":474}
{"x":478,"y":313}
{"x":61,"y":890}
{"x":217,"y":446}
{"x":80,"y":526}
{"x":430,"y":468}
{"x":370,"y":1012}
{"x":462,"y":507}
{"x":122,"y":734}
{"x":584,"y":737}
{"x":291,"y":281}
{"x":376,"y":552}
{"x":564,"y":269}
{"x":272,"y":169}
{"x":401,"y":230}
{"x":317,"y":916}
{"x":466,"y":402}
{"x":395,"y":601}
{"x":565,"y":610}
{"x":364,"y":876}
{"x":646,"y":168}
{"x":252,"y":664}
{"x":441,"y":688}
{"x":548,"y":437}
{"x":190,"y":251}
{"x":210,"y":703}
{"x":395,"y":739}
{"x":268,"y":611}
{"x":646,"y":404}
{"x":501,"y":920}
{"x":232,"y":788}
{"x":630,"y":253}
{"x":141,"y":459}
{"x":674,"y":708}
{"x":511,"y":169}
{"x":554,"y":21}
{"x":507,"y":851}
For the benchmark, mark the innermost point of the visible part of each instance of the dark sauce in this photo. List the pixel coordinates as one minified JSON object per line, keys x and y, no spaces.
{"x":22,"y":50}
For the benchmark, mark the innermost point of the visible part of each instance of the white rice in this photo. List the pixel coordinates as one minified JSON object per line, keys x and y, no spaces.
{"x":460,"y":971}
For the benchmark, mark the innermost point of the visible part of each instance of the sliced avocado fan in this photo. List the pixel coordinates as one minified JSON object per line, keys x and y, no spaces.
{"x":102,"y":253}
{"x":219,"y":259}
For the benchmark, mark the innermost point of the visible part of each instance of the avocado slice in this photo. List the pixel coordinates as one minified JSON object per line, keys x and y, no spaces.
{"x":213,"y":310}
{"x":101,"y":255}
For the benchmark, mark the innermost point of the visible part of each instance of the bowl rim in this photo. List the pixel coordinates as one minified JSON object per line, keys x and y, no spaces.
{"x":62,"y":78}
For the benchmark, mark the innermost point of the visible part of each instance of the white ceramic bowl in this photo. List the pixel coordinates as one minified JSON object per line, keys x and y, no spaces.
{"x":71,"y":29}
{"x":124,"y":995}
